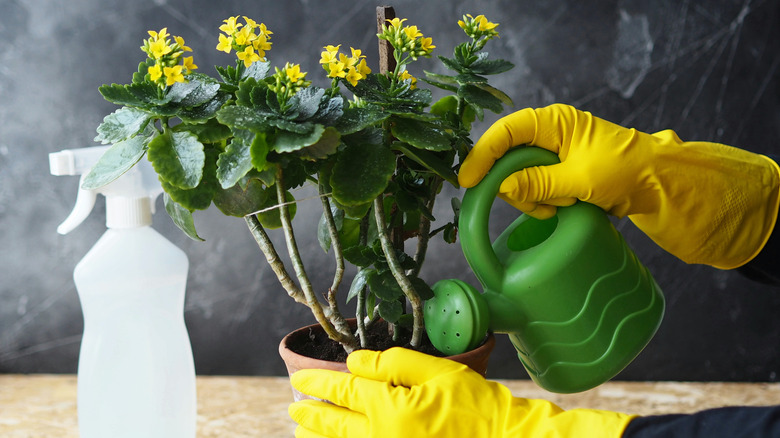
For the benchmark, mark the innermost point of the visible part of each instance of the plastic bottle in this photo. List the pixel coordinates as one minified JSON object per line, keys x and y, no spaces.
{"x":136,"y":376}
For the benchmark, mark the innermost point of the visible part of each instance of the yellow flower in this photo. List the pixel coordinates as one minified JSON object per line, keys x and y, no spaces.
{"x":294,"y":72}
{"x":405,"y":75}
{"x":484,"y":24}
{"x":230,"y":27}
{"x":261,"y":44}
{"x":264,"y":30}
{"x":250,"y":22}
{"x":363,"y":69}
{"x":353,"y":76}
{"x":158,"y":48}
{"x":427,"y":44}
{"x":412,"y":32}
{"x":155,"y":72}
{"x":180,"y":42}
{"x":344,"y":59}
{"x":225,"y":43}
{"x":336,"y":70}
{"x":188,"y":64}
{"x":173,"y":74}
{"x":330,"y":54}
{"x":356,"y":53}
{"x":248,"y":56}
{"x":396,"y":23}
{"x":161,"y":35}
{"x":244,"y":36}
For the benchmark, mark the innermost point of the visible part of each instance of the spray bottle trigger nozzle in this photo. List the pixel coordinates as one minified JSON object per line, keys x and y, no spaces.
{"x":85,"y":201}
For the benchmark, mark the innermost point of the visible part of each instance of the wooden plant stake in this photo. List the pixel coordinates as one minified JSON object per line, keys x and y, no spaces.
{"x":386,"y":60}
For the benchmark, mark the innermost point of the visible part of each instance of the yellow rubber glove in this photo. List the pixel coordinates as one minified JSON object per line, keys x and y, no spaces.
{"x":703,"y":202}
{"x":404,"y":393}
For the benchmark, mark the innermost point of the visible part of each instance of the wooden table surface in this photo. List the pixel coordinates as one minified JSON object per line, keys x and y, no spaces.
{"x":33,"y":406}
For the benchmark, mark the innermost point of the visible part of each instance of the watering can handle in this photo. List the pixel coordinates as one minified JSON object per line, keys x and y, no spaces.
{"x":475,"y":212}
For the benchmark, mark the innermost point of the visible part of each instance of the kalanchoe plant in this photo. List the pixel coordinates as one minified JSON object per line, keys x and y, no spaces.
{"x":378,"y":158}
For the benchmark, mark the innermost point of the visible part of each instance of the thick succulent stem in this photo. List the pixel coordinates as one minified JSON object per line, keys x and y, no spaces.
{"x":334,"y":323}
{"x":398,"y":273}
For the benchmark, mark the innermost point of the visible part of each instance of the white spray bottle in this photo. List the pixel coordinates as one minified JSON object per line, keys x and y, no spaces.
{"x":136,"y":376}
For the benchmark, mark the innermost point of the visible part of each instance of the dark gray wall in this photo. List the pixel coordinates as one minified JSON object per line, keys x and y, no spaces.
{"x":707,"y":69}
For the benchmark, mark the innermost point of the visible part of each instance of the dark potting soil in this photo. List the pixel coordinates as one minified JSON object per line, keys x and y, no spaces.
{"x":317,"y":344}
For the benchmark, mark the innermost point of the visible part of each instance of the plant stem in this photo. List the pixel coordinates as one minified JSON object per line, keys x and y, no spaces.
{"x":360,"y":312}
{"x":335,"y":242}
{"x":333,"y":324}
{"x":424,"y":235}
{"x":272,"y":257}
{"x":398,"y":273}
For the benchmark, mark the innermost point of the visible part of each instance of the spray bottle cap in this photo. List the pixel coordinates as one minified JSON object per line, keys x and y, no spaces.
{"x":129,"y":199}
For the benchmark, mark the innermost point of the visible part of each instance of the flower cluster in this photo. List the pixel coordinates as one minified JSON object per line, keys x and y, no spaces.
{"x":338,"y":65}
{"x":406,"y":39}
{"x":250,"y":41}
{"x":478,"y":27}
{"x":166,"y":54}
{"x":287,"y":81}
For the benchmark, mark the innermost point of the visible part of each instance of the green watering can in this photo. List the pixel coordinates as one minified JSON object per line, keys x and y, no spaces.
{"x":576,"y":303}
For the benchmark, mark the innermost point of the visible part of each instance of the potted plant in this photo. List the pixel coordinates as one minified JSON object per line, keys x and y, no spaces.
{"x":375,"y":145}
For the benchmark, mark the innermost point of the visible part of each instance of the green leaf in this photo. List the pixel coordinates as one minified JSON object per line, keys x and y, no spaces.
{"x":359,"y":282}
{"x":257,"y":70}
{"x":444,"y":82}
{"x":470,"y":78}
{"x":484,"y":66}
{"x":204,"y":112}
{"x":357,"y":119}
{"x":451,"y":63}
{"x":120,"y":95}
{"x":430,"y":161}
{"x":360,"y":255}
{"x":500,"y":95}
{"x":385,"y":286}
{"x":178,"y":157}
{"x":330,"y":110}
{"x":307,"y":101}
{"x":210,"y":132}
{"x":199,"y":197}
{"x":259,"y":150}
{"x":421,"y":287}
{"x":480,"y":98}
{"x":286,"y":141}
{"x":122,"y":124}
{"x":242,"y":117}
{"x":445,"y":79}
{"x":272,"y":218}
{"x":327,"y":145}
{"x":143,"y":69}
{"x":421,"y":134}
{"x":444,"y":105}
{"x":236,"y":160}
{"x":305,"y":128}
{"x":148,"y":93}
{"x":181,"y":217}
{"x":323,"y":231}
{"x":115,"y":162}
{"x":239,"y":202}
{"x":361,"y":173}
{"x":391,"y":311}
{"x":198,"y":90}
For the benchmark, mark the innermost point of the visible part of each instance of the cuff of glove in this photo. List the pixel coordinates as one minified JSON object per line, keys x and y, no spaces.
{"x":763,"y":267}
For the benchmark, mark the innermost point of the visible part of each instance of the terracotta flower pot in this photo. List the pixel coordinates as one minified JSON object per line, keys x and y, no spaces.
{"x":476,"y":359}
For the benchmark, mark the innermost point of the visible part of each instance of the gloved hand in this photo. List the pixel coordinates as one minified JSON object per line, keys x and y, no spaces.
{"x":402,"y":393}
{"x":702,"y":202}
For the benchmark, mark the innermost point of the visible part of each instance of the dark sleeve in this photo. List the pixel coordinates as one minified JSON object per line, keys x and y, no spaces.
{"x":730,"y":422}
{"x":765,"y":267}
